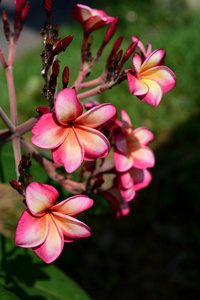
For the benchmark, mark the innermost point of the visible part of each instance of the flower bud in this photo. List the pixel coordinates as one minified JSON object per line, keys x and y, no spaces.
{"x":111,"y":31}
{"x":65,"y":77}
{"x":62,"y":45}
{"x":43,"y":110}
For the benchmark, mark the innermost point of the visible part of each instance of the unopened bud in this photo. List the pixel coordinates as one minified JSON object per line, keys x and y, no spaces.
{"x":30,"y":178}
{"x":47,"y":6}
{"x":91,"y":104}
{"x":56,"y":68}
{"x":63,"y":44}
{"x":15,"y":185}
{"x":43,"y":110}
{"x":25,"y":11}
{"x":128,"y":53}
{"x":117,"y":44}
{"x":111,"y":31}
{"x":65,"y":77}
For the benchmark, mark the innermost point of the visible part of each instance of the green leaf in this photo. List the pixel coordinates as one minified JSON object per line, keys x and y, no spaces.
{"x":6,"y":295}
{"x":27,"y":276}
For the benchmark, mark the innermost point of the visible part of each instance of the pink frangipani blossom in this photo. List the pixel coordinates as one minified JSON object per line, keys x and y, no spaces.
{"x":91,"y":19}
{"x":45,"y":226}
{"x":149,"y":79}
{"x":131,"y":148}
{"x":72,"y":135}
{"x":131,"y":181}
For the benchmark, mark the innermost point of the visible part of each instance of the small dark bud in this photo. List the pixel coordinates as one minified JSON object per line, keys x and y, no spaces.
{"x":30,"y":178}
{"x":47,"y":6}
{"x":15,"y":185}
{"x":111,"y":31}
{"x":56,"y":68}
{"x":117,"y":44}
{"x":65,"y":77}
{"x":63,"y":44}
{"x":43,"y":110}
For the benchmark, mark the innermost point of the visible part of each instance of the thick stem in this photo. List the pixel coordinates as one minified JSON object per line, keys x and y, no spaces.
{"x":3,"y":60}
{"x":17,"y":152}
{"x":97,"y":90}
{"x":90,"y":83}
{"x":7,"y":121}
{"x":11,"y":89}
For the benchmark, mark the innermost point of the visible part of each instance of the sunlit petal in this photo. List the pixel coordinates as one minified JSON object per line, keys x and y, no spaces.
{"x":136,"y":86}
{"x":39,"y":197}
{"x":73,"y":205}
{"x":142,"y":136}
{"x":156,"y":58}
{"x":48,"y":132}
{"x":31,"y":231}
{"x":70,"y":153}
{"x":67,"y":106}
{"x":96,"y":116}
{"x":154,"y":94}
{"x":72,"y":228}
{"x":53,"y":245}
{"x":163,"y":76}
{"x":96,"y":145}
{"x":123,"y":162}
{"x":143,"y":157}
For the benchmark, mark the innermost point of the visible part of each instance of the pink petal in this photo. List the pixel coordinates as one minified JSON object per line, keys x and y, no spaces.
{"x":143,"y":136}
{"x":126,"y":121}
{"x":67,"y":106}
{"x":70,"y":153}
{"x":127,"y":194}
{"x":72,"y":228}
{"x":143,"y":157}
{"x":126,"y":180}
{"x":39,"y":197}
{"x":53,"y":245}
{"x":137,"y":62}
{"x":163,"y":76}
{"x":156,"y":58}
{"x":136,"y":86}
{"x":31,"y":231}
{"x":73,"y":205}
{"x":48,"y":133}
{"x":120,"y":142}
{"x":122,"y":162}
{"x":96,"y":145}
{"x":154,"y":94}
{"x":96,"y":116}
{"x":141,"y":178}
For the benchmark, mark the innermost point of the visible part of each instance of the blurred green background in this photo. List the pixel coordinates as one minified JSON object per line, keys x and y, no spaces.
{"x":153,"y":253}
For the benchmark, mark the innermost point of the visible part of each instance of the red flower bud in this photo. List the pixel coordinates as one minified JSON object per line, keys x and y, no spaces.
{"x":117,"y":44}
{"x":15,"y":185}
{"x":62,"y":45}
{"x":65,"y":77}
{"x":111,"y":31}
{"x":47,"y":6}
{"x":43,"y":110}
{"x":56,"y":68}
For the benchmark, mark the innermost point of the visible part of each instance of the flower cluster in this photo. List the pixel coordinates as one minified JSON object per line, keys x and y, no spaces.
{"x":81,"y":139}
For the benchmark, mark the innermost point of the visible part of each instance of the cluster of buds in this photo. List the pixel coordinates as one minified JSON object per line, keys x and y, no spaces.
{"x":24,"y":177}
{"x":21,"y":12}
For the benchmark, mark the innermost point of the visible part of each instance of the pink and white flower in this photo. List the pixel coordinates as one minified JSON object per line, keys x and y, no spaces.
{"x":45,"y":226}
{"x":131,"y":181}
{"x":71,"y":135}
{"x":131,"y":148}
{"x":91,"y":19}
{"x":149,"y":79}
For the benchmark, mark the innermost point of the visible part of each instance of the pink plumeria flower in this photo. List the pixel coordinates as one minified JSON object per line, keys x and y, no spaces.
{"x":45,"y":226}
{"x":133,"y":180}
{"x":144,"y":53}
{"x":149,"y":79}
{"x":131,"y":148}
{"x":70,"y":134}
{"x":91,"y":19}
{"x":117,"y":203}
